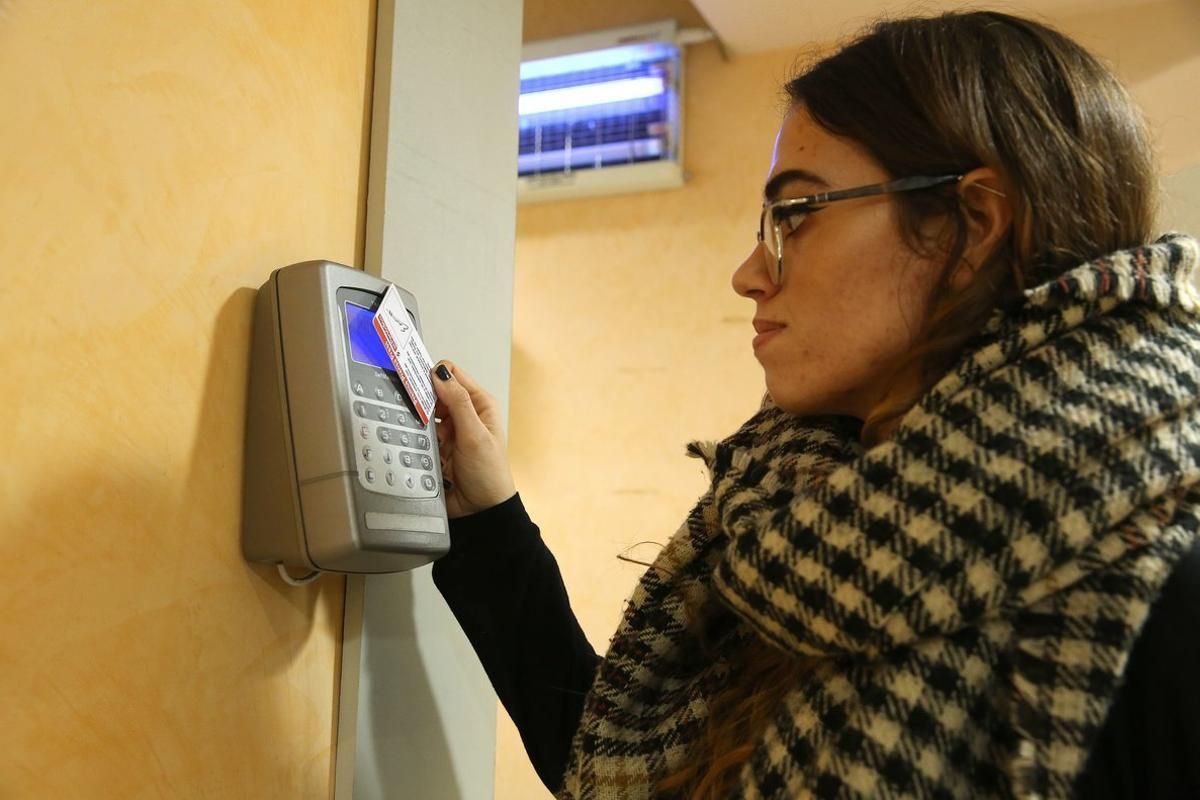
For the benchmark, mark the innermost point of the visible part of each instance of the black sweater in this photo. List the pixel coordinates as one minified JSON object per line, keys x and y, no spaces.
{"x":505,"y":589}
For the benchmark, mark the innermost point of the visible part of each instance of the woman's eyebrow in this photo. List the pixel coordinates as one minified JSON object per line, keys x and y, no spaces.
{"x":771,"y":191}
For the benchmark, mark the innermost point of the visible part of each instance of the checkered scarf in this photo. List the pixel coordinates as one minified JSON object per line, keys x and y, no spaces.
{"x":964,"y":595}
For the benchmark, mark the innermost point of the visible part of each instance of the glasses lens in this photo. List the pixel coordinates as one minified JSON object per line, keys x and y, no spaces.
{"x":766,"y":234}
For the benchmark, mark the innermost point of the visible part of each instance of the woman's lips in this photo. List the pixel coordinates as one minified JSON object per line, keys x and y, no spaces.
{"x":766,"y":329}
{"x":762,"y":337}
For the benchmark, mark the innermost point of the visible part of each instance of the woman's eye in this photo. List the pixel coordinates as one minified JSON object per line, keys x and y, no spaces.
{"x":790,"y":220}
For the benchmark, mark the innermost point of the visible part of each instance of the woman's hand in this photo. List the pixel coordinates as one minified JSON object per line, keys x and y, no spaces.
{"x":474,"y":464}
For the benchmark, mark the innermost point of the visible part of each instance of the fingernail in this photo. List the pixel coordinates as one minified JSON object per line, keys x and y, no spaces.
{"x":442,"y":372}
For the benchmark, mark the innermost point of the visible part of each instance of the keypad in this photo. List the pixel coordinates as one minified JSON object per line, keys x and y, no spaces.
{"x":388,"y":416}
{"x":394,"y":451}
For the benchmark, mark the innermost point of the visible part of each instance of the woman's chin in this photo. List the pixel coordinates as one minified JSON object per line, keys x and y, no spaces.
{"x":806,"y":404}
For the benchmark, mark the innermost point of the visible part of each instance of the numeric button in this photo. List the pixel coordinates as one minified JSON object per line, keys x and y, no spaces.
{"x":422,"y":441}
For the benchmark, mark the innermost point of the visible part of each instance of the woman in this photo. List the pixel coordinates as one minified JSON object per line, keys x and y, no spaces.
{"x":923,"y":565}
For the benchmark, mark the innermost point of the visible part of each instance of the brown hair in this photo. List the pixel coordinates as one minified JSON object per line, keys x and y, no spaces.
{"x":941,"y":95}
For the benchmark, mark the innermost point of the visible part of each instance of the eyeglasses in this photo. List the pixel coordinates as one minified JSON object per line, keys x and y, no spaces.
{"x":786,"y":215}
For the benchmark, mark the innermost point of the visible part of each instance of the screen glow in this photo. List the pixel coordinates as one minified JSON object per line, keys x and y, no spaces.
{"x":365,"y":344}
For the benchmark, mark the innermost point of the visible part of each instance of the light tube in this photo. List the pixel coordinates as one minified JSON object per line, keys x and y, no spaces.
{"x":591,"y":94}
{"x":642,"y":52}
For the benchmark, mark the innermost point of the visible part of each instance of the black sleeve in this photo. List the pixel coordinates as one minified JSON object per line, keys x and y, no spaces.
{"x":504,"y":587}
{"x":1149,"y":745}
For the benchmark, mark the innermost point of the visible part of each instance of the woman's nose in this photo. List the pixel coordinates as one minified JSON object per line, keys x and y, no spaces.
{"x":751,"y":278}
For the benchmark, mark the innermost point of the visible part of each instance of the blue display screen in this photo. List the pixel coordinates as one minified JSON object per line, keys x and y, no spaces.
{"x":365,"y":345}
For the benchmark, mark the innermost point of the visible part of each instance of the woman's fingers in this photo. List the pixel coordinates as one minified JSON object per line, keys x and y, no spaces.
{"x":471,"y":446}
{"x":484,"y":403}
{"x":445,"y":426}
{"x":460,"y":408}
{"x":462,"y":377}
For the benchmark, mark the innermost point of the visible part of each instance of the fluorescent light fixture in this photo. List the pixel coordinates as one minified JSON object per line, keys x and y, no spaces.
{"x":590,"y":156}
{"x":594,"y":59}
{"x":600,"y":113}
{"x":589,"y":94}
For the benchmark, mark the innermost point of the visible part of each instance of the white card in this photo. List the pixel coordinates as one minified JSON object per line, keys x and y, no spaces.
{"x":404,"y":346}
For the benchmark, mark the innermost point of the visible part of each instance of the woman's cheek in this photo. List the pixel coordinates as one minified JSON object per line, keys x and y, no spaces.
{"x":804,"y":379}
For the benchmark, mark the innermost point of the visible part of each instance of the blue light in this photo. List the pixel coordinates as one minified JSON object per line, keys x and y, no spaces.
{"x":365,"y":345}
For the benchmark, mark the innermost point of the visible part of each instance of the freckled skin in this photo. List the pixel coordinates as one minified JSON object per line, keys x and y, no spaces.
{"x":851,"y":292}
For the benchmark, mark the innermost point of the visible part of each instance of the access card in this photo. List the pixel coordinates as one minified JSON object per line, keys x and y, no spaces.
{"x":406,"y":350}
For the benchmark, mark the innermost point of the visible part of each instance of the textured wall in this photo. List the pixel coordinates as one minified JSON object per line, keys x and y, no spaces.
{"x":157,"y":160}
{"x":628,"y":340}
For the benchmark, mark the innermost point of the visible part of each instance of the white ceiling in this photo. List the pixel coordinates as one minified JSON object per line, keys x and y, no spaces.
{"x":752,"y":25}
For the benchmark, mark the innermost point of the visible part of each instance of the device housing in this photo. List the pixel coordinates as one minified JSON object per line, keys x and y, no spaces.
{"x":319,"y":424}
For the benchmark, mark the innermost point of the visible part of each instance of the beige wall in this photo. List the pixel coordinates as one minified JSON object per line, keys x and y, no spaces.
{"x":1156,"y":51}
{"x":628,"y":340}
{"x":157,"y":160}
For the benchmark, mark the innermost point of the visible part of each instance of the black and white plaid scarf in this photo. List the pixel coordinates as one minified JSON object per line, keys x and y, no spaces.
{"x":966,"y":593}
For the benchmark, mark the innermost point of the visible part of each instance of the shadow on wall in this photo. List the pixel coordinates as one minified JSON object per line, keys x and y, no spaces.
{"x":413,"y":758}
{"x":231,"y":362}
{"x":146,"y":642}
{"x":289,"y":612}
{"x":228,"y":378}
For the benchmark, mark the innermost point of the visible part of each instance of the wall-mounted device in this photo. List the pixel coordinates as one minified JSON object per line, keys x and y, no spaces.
{"x":340,"y":473}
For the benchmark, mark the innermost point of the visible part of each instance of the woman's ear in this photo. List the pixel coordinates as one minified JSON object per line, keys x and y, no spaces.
{"x":984,"y":196}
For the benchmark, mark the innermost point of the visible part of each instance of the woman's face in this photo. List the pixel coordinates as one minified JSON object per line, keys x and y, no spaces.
{"x":852,"y":294}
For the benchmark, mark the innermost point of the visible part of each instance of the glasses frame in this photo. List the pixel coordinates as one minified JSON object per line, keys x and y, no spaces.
{"x":775,"y":258}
